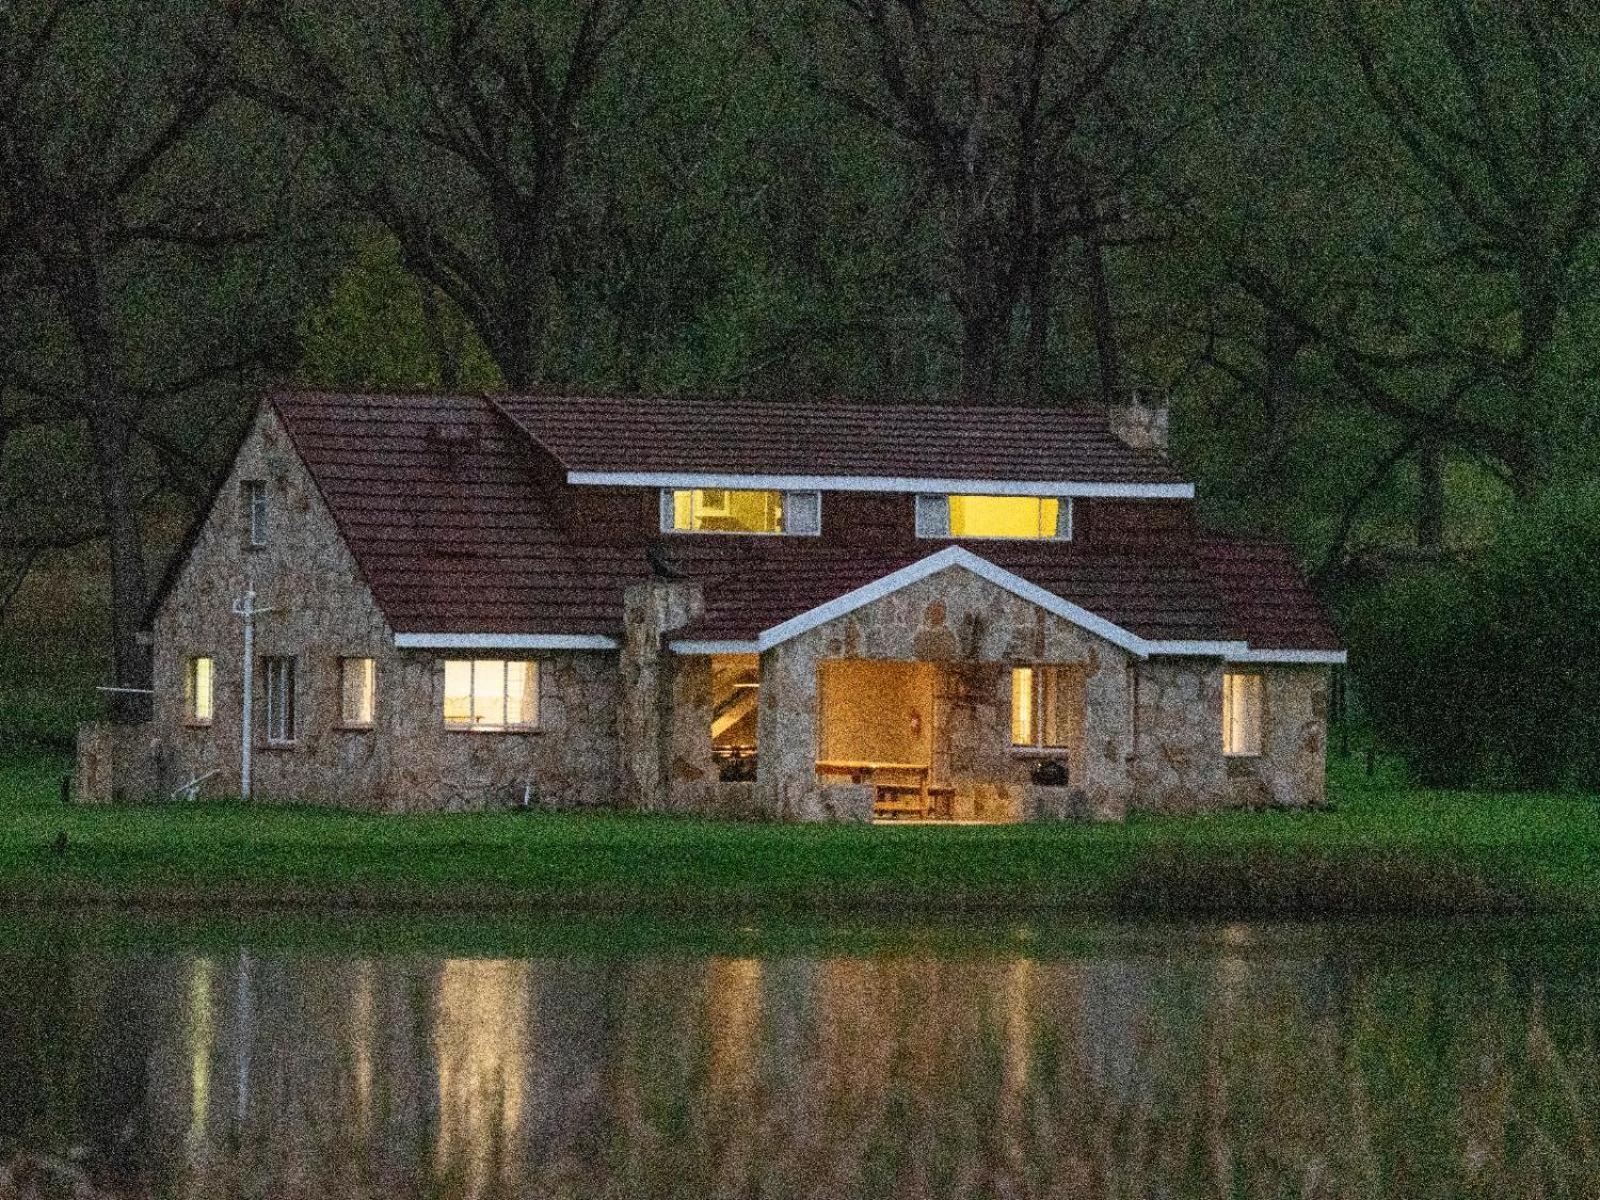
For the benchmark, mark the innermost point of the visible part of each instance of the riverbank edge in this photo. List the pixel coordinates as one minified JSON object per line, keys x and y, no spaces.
{"x":1380,"y":851}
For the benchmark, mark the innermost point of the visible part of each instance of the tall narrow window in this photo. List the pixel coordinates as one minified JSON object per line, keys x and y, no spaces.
{"x":255,"y":512}
{"x":357,"y":692}
{"x":278,"y":674}
{"x":1026,"y":518}
{"x":197,"y":700}
{"x":491,"y":695}
{"x":1047,"y":705}
{"x":1241,"y":714}
{"x":730,"y":510}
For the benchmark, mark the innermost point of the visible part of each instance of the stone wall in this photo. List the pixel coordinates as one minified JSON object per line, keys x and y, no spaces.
{"x":975,"y":631}
{"x":1291,"y":771}
{"x":321,"y":612}
{"x":657,"y":691}
{"x":1177,"y":764}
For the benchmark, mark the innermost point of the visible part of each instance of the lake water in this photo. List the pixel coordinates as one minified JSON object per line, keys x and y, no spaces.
{"x":269,"y":1057}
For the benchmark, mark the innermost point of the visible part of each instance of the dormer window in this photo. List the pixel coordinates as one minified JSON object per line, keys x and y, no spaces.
{"x":1025,"y":518}
{"x":738,"y":510}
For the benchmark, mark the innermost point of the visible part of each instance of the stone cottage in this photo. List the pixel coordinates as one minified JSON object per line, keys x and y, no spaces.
{"x":801,"y":611}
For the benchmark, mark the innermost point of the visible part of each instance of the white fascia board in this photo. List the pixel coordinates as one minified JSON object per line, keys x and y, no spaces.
{"x":953,"y":556}
{"x":1196,"y":649}
{"x":504,"y":641}
{"x":881,"y":483}
{"x":691,"y":646}
{"x":1330,"y":658}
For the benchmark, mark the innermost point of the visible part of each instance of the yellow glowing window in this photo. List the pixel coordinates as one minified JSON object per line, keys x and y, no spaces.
{"x":357,"y":692}
{"x":197,"y":696}
{"x":491,"y":694}
{"x":734,"y":510}
{"x":1047,"y":706}
{"x":1242,"y":704}
{"x":1025,"y":517}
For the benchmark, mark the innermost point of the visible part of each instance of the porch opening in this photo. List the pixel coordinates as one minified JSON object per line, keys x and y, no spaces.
{"x":735,"y":702}
{"x":876,"y":725}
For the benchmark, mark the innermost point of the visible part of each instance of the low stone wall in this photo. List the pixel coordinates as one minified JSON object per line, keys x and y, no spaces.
{"x":1041,"y":803}
{"x":118,"y":763}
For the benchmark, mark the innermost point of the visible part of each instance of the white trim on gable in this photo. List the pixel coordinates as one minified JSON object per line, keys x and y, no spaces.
{"x":960,"y":556}
{"x":880,"y":483}
{"x":715,"y":646}
{"x":1331,"y":658}
{"x":504,"y":641}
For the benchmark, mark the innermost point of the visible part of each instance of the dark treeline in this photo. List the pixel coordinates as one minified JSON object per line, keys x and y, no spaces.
{"x":1355,"y":242}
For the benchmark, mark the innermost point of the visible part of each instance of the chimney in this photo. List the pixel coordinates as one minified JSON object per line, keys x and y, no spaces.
{"x":1142,"y":422}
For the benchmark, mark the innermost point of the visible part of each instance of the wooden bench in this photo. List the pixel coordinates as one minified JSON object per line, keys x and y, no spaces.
{"x":899,"y":801}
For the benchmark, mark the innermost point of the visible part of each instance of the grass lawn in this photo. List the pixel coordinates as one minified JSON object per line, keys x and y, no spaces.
{"x":1384,"y":848}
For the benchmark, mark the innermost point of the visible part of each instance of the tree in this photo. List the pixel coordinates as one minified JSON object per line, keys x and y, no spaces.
{"x":456,"y":126}
{"x":129,"y":180}
{"x":1017,"y":145}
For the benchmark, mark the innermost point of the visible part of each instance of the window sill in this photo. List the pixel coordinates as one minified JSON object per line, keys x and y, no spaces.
{"x":511,"y":729}
{"x":1041,"y":751}
{"x":278,"y":746}
{"x":197,"y":724}
{"x":353,"y":728}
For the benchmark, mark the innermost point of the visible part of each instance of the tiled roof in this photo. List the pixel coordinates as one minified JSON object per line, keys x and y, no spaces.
{"x":440,"y":502}
{"x":829,"y":437}
{"x":1159,"y":599}
{"x":1268,"y":600}
{"x":436,"y":498}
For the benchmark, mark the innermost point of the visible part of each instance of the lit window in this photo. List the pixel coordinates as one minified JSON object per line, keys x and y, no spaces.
{"x":729,"y":510}
{"x":197,"y":701}
{"x":1033,"y":518}
{"x":357,"y":677}
{"x":1047,"y":706}
{"x":279,"y":714}
{"x":490,"y":694}
{"x":1241,"y":714}
{"x":255,"y":509}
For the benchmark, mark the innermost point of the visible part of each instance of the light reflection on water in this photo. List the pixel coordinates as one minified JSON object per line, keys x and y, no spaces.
{"x":1234,"y":1060}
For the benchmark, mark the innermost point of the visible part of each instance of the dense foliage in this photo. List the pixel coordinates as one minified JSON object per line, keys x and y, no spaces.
{"x":1356,"y":242}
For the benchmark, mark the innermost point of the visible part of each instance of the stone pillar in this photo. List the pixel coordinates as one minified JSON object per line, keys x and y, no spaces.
{"x":651,"y":610}
{"x":1142,"y":422}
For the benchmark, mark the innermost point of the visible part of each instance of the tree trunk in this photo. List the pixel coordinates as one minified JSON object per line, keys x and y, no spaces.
{"x":980,"y":359}
{"x":445,"y":344}
{"x":1037,"y":347}
{"x":1430,"y":493}
{"x":1102,"y":316}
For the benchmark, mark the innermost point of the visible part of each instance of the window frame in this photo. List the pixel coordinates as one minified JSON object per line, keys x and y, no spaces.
{"x":191,"y":691}
{"x":1259,"y":693}
{"x":786,"y":502}
{"x":536,"y":687}
{"x":1036,"y":695}
{"x":255,"y":513}
{"x":279,"y":683}
{"x":934,"y":525}
{"x":359,"y":726}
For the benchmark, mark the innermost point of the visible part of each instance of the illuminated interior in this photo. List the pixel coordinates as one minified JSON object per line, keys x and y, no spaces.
{"x":356,"y":692}
{"x":1241,"y":714}
{"x":735,"y":699}
{"x":197,"y":688}
{"x":1047,"y":707}
{"x":725,"y":510}
{"x":1031,"y":517}
{"x":490,"y":694}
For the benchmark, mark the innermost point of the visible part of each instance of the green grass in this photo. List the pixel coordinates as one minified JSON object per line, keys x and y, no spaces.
{"x":1383,"y":848}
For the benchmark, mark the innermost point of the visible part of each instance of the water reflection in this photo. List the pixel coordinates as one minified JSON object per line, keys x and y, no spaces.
{"x":1225,"y":1061}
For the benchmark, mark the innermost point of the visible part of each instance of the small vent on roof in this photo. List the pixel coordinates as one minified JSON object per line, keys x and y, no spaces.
{"x":453,"y":439}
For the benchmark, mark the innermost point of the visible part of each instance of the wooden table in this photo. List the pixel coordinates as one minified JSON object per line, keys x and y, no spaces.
{"x":862,"y":770}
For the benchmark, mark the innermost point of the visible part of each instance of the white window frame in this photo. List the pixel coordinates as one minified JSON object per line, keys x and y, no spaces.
{"x":255,"y":507}
{"x":369,"y":667}
{"x":278,"y":712}
{"x":191,"y":690}
{"x":933,"y":517}
{"x":530,"y":721}
{"x":1036,"y":692}
{"x":790,"y":499}
{"x":1231,"y":747}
